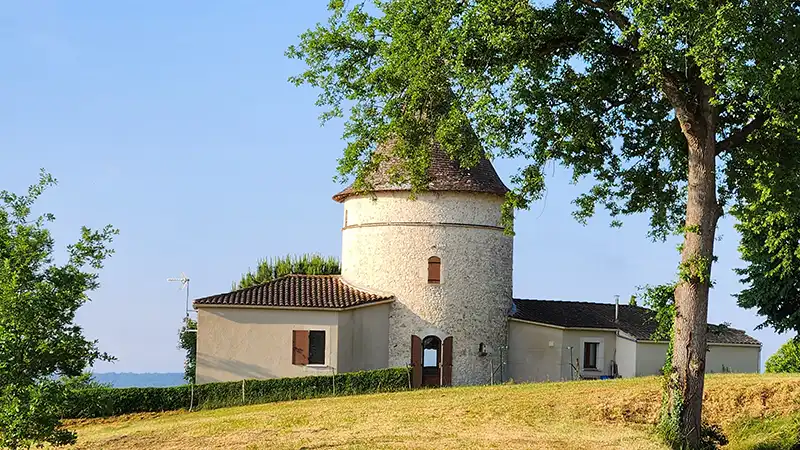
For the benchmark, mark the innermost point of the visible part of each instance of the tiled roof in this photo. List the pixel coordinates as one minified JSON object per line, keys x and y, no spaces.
{"x":637,"y":321}
{"x":444,"y":174}
{"x":297,"y":291}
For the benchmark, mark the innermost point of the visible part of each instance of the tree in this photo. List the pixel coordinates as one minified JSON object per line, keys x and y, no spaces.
{"x":786,"y":359}
{"x":670,"y":108}
{"x":187,"y":341}
{"x":39,"y":341}
{"x":272,"y":268}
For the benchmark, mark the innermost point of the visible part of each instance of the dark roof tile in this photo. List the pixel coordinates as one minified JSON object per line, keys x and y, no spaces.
{"x":297,"y":291}
{"x":444,"y":173}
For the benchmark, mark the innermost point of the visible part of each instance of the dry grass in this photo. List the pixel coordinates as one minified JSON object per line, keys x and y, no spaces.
{"x":574,"y":415}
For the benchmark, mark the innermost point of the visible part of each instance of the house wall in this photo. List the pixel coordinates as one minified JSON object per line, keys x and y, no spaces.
{"x":575,"y":339}
{"x":364,"y":338}
{"x":386,"y":243}
{"x":650,"y":358}
{"x":740,"y":359}
{"x":530,"y":356}
{"x":626,"y":357}
{"x":251,"y":343}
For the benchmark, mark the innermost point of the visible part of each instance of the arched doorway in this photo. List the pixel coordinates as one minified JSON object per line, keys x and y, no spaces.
{"x":431,"y":361}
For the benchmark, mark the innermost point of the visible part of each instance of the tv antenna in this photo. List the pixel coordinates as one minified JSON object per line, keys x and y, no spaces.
{"x":184,"y":280}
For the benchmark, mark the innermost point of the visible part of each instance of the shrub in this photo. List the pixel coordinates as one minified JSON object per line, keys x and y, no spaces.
{"x":786,"y":359}
{"x":106,"y":402}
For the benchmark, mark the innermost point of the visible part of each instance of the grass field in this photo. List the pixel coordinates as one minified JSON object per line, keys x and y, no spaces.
{"x":755,"y":411}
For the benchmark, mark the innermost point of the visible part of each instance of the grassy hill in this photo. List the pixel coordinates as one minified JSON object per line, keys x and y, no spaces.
{"x":755,"y":411}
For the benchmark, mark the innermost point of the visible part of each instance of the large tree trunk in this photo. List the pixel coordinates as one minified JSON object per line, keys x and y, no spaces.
{"x":691,"y":294}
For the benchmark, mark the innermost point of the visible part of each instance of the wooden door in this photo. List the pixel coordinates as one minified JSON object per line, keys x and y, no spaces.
{"x":416,"y":361}
{"x":447,"y":361}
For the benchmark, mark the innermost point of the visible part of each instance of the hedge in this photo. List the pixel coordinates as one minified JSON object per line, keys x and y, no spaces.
{"x":106,"y":402}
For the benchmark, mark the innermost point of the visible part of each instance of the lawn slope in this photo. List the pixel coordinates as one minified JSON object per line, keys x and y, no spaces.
{"x":614,"y":414}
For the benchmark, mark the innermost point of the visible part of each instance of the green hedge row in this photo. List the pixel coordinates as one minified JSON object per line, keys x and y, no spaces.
{"x":106,"y":402}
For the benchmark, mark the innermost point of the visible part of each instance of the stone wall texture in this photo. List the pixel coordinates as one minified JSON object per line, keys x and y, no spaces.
{"x":386,"y":243}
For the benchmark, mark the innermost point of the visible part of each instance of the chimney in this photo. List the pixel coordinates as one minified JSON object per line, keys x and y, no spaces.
{"x":616,"y":308}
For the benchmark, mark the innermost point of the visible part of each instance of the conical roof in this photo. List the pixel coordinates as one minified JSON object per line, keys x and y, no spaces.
{"x":444,"y":173}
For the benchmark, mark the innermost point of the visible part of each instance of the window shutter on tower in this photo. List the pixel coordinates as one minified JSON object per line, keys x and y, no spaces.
{"x":300,"y":347}
{"x":447,"y":361}
{"x":434,"y":270}
{"x":416,"y":361}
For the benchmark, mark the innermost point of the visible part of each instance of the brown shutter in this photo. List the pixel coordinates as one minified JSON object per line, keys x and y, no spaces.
{"x":416,"y":361}
{"x":300,"y":347}
{"x":447,"y":361}
{"x":434,"y":270}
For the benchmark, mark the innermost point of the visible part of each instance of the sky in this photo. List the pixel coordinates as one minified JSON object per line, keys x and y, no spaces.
{"x":175,"y":122}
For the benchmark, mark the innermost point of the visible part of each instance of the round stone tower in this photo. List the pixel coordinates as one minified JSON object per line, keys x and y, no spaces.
{"x":447,"y":261}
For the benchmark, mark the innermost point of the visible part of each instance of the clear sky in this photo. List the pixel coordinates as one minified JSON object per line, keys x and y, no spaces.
{"x":174,"y":121}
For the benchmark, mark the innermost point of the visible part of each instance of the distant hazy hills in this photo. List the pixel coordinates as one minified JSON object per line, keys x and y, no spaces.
{"x":129,"y":379}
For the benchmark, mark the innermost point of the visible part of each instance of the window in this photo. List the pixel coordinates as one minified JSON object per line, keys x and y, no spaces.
{"x":308,"y":347}
{"x":590,"y":355}
{"x":434,"y":270}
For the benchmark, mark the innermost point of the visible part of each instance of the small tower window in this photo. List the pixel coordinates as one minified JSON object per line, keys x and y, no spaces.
{"x":434,"y":270}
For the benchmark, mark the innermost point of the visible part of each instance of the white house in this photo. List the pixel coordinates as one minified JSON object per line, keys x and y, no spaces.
{"x":427,"y":283}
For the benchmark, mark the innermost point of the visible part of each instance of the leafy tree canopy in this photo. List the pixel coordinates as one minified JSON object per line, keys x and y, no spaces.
{"x":272,"y":268}
{"x":39,"y":341}
{"x":187,"y":341}
{"x":786,"y":359}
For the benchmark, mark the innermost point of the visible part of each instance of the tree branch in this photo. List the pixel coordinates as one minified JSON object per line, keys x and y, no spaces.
{"x":739,"y":137}
{"x":615,"y":16}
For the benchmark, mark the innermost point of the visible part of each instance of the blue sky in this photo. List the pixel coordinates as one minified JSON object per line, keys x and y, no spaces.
{"x":174,"y":121}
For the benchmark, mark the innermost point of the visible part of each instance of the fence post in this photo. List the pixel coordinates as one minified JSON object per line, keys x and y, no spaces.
{"x":191,"y":397}
{"x":243,"y":392}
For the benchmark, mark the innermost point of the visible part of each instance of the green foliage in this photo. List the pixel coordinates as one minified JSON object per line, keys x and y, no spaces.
{"x":187,"y":341}
{"x":766,"y":433}
{"x":695,"y":269}
{"x":41,"y":348}
{"x":786,"y":359}
{"x":112,"y":402}
{"x":270,"y":269}
{"x":559,"y":82}
{"x":769,"y":223}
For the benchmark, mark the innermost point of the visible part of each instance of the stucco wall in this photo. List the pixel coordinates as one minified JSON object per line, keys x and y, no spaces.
{"x":650,"y":358}
{"x":735,"y":358}
{"x":626,"y":357}
{"x":247,"y":343}
{"x":364,"y":338}
{"x":250,"y":343}
{"x":386,"y":244}
{"x":530,"y":356}
{"x":574,"y":338}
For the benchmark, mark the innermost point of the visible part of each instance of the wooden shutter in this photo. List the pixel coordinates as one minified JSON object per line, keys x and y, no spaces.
{"x":434,"y":270}
{"x":447,"y":361}
{"x":300,"y":347}
{"x":416,"y":361}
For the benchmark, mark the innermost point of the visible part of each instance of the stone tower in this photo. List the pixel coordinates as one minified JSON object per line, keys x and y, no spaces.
{"x":444,"y":257}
